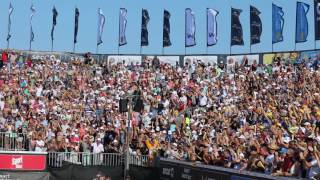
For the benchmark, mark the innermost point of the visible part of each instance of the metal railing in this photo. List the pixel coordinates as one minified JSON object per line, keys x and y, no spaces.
{"x":13,"y":141}
{"x":139,"y":160}
{"x":57,"y":159}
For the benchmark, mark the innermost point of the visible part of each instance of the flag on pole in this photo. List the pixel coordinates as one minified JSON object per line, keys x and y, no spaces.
{"x":54,"y":20}
{"x":166,"y":29}
{"x":255,"y":25}
{"x":101,"y":21}
{"x":33,"y":11}
{"x":9,"y":22}
{"x":144,"y":28}
{"x":190,"y":28}
{"x":236,"y":27}
{"x":122,"y":27}
{"x":212,"y":27}
{"x":317,"y":19}
{"x":302,"y":22}
{"x":277,"y":24}
{"x":76,"y":24}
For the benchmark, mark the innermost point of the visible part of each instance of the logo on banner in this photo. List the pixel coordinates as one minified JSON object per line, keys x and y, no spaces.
{"x":168,"y":172}
{"x":17,"y":162}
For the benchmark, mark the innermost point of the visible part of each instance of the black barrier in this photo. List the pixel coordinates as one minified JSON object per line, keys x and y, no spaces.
{"x":78,"y":172}
{"x":179,"y":170}
{"x":9,"y":175}
{"x":143,"y":173}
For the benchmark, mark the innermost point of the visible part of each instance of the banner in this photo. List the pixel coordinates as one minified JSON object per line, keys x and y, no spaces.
{"x":9,"y":175}
{"x":23,"y":162}
{"x":127,"y":60}
{"x":166,"y":29}
{"x":143,"y":173}
{"x":54,"y":20}
{"x":202,"y":59}
{"x":172,"y":60}
{"x":144,"y":28}
{"x":73,"y":171}
{"x":101,"y":21}
{"x":302,"y":22}
{"x":190,"y":28}
{"x":76,"y":24}
{"x":317,"y":19}
{"x":236,"y":27}
{"x":289,"y":57}
{"x":255,"y":25}
{"x":212,"y":27}
{"x":277,"y":23}
{"x":241,"y":60}
{"x":308,"y":57}
{"x":122,"y":26}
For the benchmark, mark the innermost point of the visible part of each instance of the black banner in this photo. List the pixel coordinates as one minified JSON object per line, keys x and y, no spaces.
{"x":166,"y":29}
{"x":144,"y":28}
{"x":4,"y":175}
{"x":317,"y":19}
{"x":78,"y":172}
{"x":171,"y":171}
{"x":255,"y":25}
{"x":236,"y":27}
{"x":143,"y":173}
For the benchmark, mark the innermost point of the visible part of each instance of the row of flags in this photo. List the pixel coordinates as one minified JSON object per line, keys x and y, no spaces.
{"x":190,"y":25}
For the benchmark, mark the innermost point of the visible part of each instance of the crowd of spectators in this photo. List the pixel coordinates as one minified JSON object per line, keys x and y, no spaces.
{"x":255,"y":117}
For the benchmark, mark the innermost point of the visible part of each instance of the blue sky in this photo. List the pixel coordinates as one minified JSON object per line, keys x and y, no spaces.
{"x":87,"y":36}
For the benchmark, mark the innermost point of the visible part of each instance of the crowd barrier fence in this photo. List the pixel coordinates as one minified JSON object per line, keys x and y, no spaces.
{"x":10,"y":141}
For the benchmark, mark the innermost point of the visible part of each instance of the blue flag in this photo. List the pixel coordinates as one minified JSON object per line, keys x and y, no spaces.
{"x":302,"y":22}
{"x":101,"y":20}
{"x":277,"y":23}
{"x":190,"y":34}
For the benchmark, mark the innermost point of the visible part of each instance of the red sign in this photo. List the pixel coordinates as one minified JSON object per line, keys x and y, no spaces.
{"x":25,"y":162}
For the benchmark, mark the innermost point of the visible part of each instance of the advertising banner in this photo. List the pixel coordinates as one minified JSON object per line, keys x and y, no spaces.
{"x":127,"y":60}
{"x":4,"y":175}
{"x":288,"y":57}
{"x":23,"y":162}
{"x":203,"y":59}
{"x":308,"y":57}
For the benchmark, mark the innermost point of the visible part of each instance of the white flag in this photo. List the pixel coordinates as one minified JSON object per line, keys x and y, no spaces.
{"x":122,"y":26}
{"x":33,"y":11}
{"x":212,"y":27}
{"x":101,"y":20}
{"x":190,"y":38}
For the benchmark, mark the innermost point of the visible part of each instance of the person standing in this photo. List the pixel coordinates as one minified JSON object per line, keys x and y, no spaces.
{"x":98,"y":149}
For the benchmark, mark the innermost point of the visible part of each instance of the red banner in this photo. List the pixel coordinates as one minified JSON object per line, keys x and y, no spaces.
{"x":24,"y":162}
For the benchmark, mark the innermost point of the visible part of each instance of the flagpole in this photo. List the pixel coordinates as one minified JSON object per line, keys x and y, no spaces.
{"x":51,"y":45}
{"x":97,"y":49}
{"x":119,"y":32}
{"x":185,"y":32}
{"x":8,"y":39}
{"x":207,"y":32}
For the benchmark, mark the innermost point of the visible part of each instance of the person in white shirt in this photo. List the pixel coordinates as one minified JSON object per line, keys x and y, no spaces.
{"x":97,"y":150}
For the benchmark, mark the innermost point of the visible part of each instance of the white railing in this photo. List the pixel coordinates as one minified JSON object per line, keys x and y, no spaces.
{"x":57,"y":159}
{"x":13,"y":141}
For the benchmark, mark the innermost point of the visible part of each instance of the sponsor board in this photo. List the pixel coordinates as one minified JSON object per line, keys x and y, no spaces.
{"x":23,"y":162}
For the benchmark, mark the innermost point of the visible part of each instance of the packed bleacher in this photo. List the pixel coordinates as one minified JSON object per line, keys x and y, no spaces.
{"x":256,"y":117}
